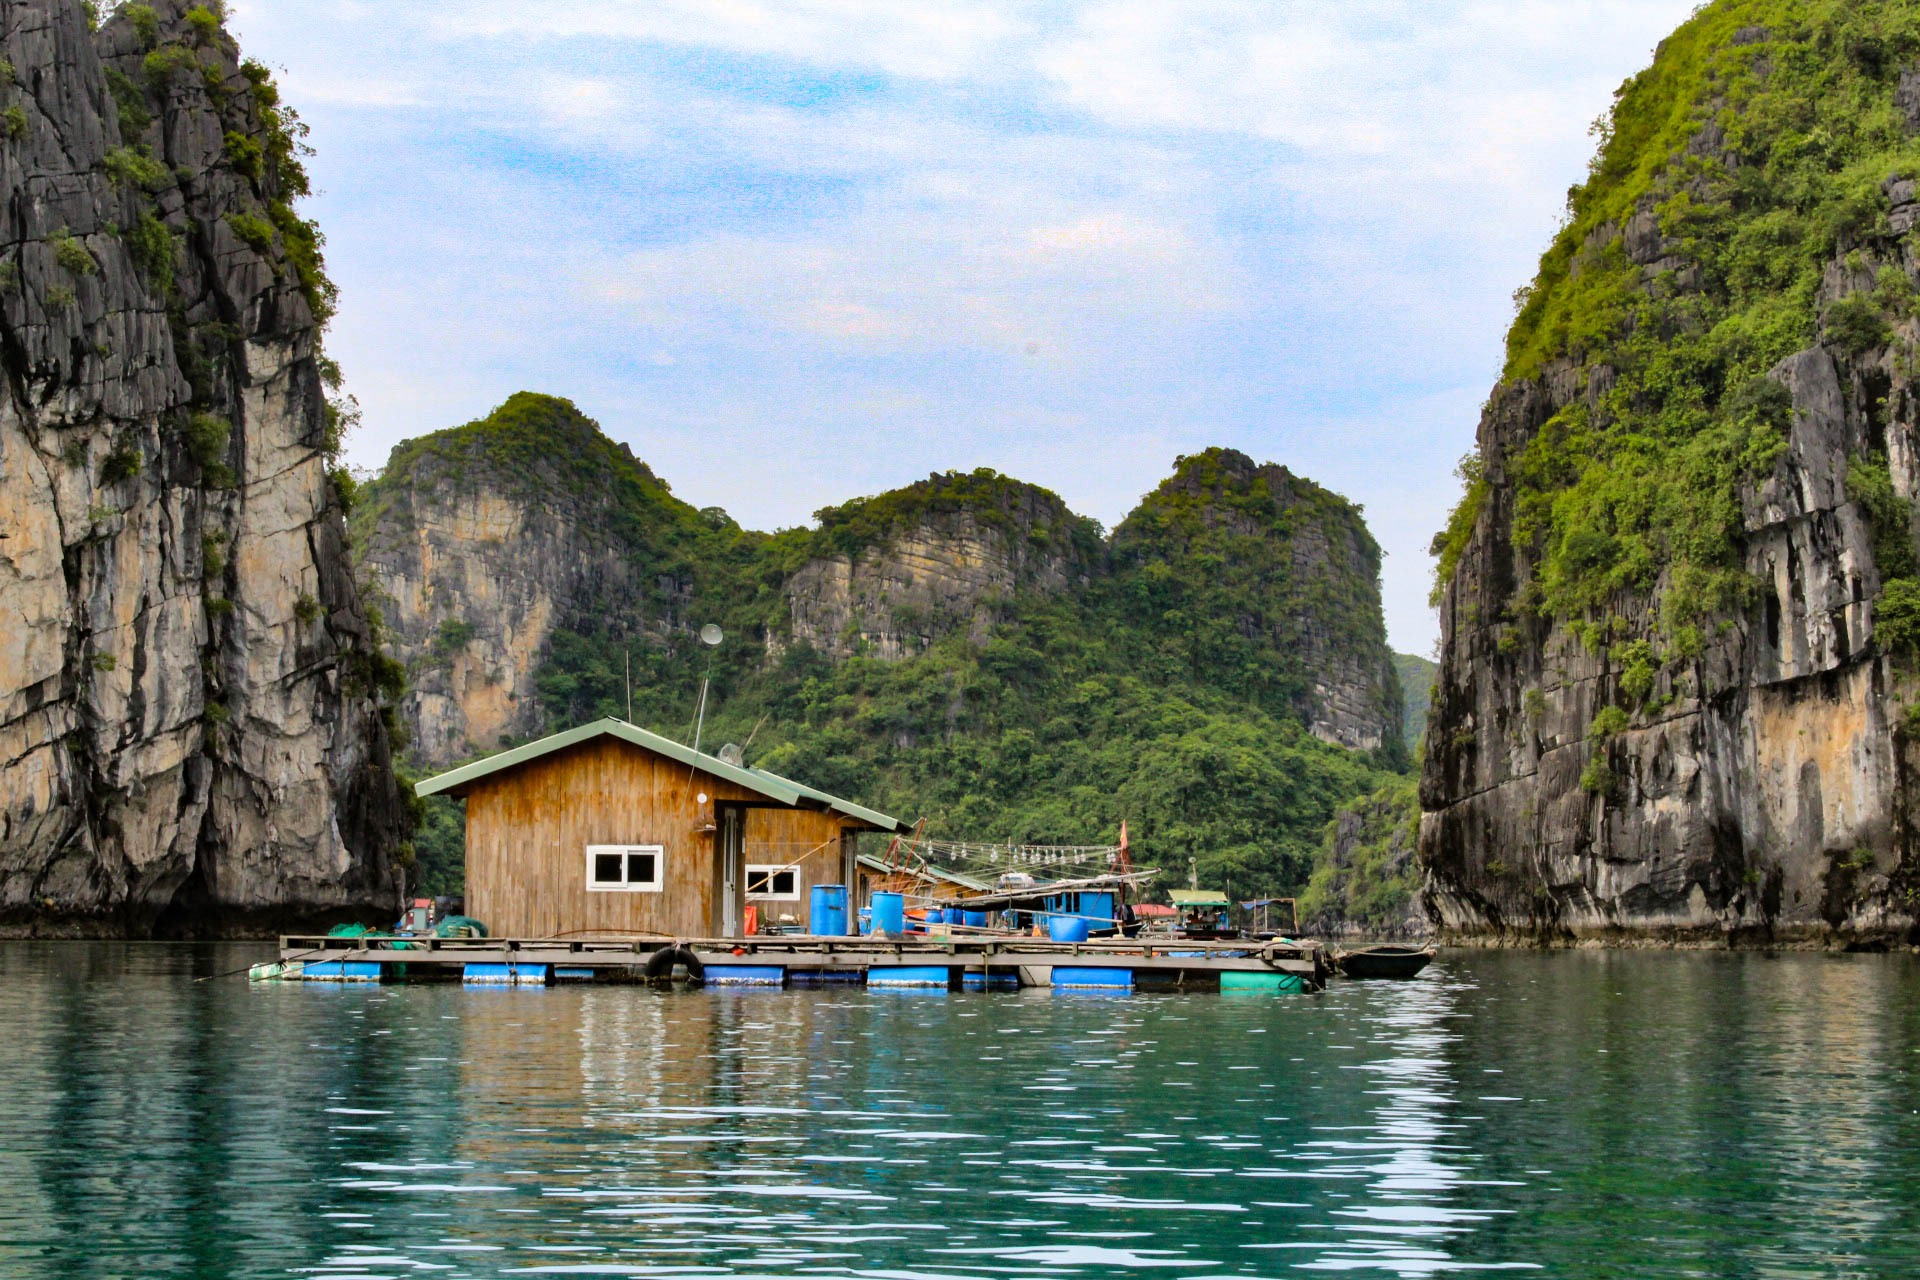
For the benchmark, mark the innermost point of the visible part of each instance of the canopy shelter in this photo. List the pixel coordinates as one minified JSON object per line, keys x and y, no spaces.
{"x":1194,"y":899}
{"x":1029,"y":897}
{"x":1262,"y":911}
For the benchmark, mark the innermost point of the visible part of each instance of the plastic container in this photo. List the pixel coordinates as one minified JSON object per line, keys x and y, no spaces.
{"x":974,"y":919}
{"x":889,"y":913}
{"x":866,"y":921}
{"x":827,"y":911}
{"x":1063,"y":928}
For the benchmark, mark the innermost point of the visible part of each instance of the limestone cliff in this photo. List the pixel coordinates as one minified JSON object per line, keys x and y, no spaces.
{"x":487,"y":540}
{"x":1272,"y":584}
{"x":189,"y":717}
{"x":1678,"y":600}
{"x":889,"y":575}
{"x":964,"y":648}
{"x":1366,"y":881}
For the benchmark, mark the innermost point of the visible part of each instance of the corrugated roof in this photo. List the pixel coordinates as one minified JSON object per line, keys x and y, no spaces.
{"x":759,"y":781}
{"x":1198,"y":898}
{"x":951,"y":876}
{"x":847,"y":807}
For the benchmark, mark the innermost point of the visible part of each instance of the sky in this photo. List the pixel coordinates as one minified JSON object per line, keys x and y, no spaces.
{"x":797,"y":251}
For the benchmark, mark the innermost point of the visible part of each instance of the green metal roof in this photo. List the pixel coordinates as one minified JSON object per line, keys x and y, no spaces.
{"x":759,"y":781}
{"x":1198,"y":898}
{"x":847,"y":807}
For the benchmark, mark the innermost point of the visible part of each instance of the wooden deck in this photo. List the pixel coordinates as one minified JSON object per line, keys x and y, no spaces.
{"x":1158,"y":961}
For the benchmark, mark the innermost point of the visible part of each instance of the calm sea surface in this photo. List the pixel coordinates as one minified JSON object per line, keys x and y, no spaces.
{"x":1630,"y":1115}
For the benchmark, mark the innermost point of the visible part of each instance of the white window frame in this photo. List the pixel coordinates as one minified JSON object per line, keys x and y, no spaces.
{"x":769,"y":868}
{"x":655,"y":885}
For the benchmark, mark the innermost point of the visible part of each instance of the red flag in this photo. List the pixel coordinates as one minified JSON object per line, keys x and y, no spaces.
{"x":1126,"y":855}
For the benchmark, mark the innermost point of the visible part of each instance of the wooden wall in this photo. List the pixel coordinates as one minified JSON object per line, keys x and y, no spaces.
{"x":528,"y":830}
{"x":779,"y":836}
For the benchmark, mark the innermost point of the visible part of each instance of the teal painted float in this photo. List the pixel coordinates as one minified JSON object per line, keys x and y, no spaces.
{"x":1275,"y":982}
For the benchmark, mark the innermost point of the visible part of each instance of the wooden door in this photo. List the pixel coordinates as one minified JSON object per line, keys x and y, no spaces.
{"x":730,"y":873}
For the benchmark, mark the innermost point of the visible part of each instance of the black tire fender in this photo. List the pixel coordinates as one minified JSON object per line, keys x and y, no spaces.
{"x":696,"y":971}
{"x":660,"y":964}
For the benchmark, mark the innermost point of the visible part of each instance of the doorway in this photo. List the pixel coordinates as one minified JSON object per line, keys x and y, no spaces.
{"x":730,"y":873}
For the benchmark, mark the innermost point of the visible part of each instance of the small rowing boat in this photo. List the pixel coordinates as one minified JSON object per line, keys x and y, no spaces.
{"x":1384,"y":961}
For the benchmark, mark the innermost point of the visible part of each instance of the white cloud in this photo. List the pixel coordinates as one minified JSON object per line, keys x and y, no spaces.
{"x":857,"y":240}
{"x":1002,"y":271}
{"x":925,"y":39}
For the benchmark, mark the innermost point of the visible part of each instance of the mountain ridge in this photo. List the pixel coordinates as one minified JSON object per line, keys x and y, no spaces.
{"x":929,"y":647}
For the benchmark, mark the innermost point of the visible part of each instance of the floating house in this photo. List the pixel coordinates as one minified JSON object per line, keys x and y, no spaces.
{"x":608,"y":828}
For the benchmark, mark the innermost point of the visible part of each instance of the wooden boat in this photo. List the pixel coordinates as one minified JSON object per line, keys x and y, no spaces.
{"x":1384,"y":961}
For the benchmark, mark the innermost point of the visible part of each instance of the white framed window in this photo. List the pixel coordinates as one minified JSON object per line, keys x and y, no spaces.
{"x":626,"y":868}
{"x":775,"y":880}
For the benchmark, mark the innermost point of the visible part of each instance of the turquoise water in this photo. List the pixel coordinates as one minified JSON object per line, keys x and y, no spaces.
{"x":1627,"y":1115}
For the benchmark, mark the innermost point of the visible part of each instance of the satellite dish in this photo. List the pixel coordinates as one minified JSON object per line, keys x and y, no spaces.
{"x":711,"y":634}
{"x":732,"y":754}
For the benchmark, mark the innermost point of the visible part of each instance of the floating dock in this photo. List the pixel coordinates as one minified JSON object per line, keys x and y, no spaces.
{"x":949,"y":963}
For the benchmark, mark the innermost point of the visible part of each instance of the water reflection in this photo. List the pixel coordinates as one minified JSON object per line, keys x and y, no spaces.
{"x":1584,"y":1115}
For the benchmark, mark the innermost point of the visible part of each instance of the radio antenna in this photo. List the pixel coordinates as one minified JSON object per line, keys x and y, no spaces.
{"x":710,"y":636}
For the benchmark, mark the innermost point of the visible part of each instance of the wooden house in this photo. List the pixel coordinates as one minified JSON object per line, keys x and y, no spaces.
{"x":608,"y":828}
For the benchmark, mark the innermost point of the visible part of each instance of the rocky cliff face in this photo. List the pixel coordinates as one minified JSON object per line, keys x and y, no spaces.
{"x":188,"y":712}
{"x":486,"y":540}
{"x":1677,"y":602}
{"x":1365,"y":880}
{"x":946,"y":555}
{"x":964,"y":648}
{"x":1274,"y":583}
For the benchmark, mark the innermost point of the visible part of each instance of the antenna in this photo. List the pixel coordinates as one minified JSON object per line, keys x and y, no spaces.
{"x":710,"y":636}
{"x":629,"y":653}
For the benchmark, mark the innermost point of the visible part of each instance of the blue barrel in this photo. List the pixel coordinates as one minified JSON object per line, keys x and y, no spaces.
{"x":1063,"y":928}
{"x":974,"y":919}
{"x":827,"y":911}
{"x":890,"y":912}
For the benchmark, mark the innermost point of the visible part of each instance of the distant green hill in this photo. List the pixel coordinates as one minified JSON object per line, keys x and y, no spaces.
{"x":1416,"y":685}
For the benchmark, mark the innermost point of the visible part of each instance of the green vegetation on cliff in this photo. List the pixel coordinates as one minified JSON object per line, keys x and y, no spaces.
{"x":1160,"y":679}
{"x":1734,"y":214}
{"x":1365,"y":876}
{"x":1249,"y":580}
{"x":1416,"y":687}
